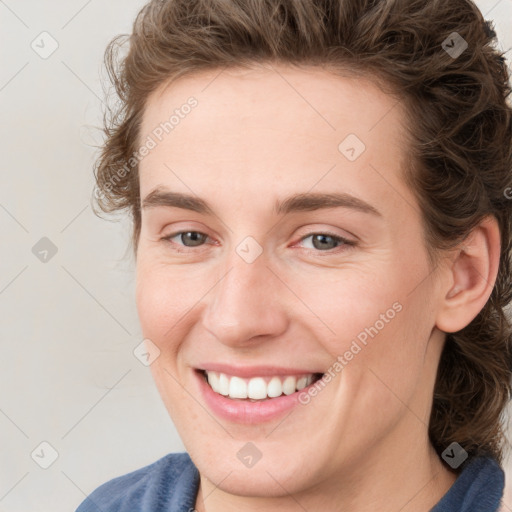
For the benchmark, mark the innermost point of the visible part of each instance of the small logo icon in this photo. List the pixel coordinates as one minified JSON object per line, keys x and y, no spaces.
{"x":44,"y":455}
{"x":44,"y":45}
{"x":351,"y":147}
{"x":454,"y":45}
{"x":146,"y":352}
{"x":248,"y":249}
{"x":44,"y":250}
{"x":249,"y":455}
{"x":454,"y":455}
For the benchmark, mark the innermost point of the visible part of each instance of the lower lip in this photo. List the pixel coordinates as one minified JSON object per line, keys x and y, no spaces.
{"x":244,"y":411}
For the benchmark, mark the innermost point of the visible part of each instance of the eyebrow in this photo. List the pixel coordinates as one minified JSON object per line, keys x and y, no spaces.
{"x":294,"y":203}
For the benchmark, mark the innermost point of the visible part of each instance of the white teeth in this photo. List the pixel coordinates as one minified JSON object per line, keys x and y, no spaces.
{"x":257,"y":388}
{"x":289,"y":385}
{"x":223,"y":385}
{"x":274,"y":387}
{"x":237,"y":388}
{"x":302,"y":383}
{"x":213,"y":380}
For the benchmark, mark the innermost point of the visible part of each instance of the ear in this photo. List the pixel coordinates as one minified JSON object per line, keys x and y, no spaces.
{"x":469,"y":278}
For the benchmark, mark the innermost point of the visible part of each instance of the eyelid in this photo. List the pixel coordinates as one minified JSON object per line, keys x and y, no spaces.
{"x":344,"y":243}
{"x":177,"y":228}
{"x":184,"y":248}
{"x":314,"y":228}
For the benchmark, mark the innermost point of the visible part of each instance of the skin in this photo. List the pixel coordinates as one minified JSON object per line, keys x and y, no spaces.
{"x":256,"y":136}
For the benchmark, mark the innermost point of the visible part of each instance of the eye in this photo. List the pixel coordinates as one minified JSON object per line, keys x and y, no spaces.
{"x":322,"y":242}
{"x":187,"y":238}
{"x":326,"y":242}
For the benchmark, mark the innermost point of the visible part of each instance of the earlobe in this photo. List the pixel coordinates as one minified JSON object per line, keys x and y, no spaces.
{"x":470,"y":278}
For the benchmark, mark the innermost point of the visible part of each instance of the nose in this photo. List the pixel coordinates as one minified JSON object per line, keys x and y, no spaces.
{"x":246,"y":305}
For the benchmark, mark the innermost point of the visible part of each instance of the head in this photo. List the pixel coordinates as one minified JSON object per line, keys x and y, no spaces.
{"x":319,"y":186}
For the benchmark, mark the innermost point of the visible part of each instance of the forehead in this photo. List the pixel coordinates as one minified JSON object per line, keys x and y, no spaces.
{"x":268,"y":122}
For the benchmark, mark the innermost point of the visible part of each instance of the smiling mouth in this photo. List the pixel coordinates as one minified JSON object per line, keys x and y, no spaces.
{"x":257,"y":388}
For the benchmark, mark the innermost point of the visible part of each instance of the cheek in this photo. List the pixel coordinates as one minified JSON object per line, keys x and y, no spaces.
{"x":163,"y":298}
{"x":385,"y":358}
{"x":356,"y":307}
{"x":372,"y":321}
{"x":163,"y":301}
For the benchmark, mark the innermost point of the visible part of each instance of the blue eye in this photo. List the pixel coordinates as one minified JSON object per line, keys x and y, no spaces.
{"x":326,"y":242}
{"x":320,"y":242}
{"x":188,"y":238}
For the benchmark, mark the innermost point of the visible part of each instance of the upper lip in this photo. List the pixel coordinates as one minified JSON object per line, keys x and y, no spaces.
{"x":253,"y":371}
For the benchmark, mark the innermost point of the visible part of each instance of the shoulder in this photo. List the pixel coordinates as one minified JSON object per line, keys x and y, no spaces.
{"x":170,"y":482}
{"x":479,"y":486}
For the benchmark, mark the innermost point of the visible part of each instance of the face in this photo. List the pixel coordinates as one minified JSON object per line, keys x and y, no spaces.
{"x":279,"y":243}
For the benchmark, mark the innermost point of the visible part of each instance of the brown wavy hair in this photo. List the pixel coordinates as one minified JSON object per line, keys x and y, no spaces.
{"x":460,"y":160}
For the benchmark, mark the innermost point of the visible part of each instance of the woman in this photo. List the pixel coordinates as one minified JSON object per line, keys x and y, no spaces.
{"x":320,"y":193}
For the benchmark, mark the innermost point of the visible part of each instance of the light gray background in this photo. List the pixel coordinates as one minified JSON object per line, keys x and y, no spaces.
{"x":69,"y":326}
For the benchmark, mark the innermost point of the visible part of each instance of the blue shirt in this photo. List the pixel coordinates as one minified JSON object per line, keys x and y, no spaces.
{"x":171,"y":484}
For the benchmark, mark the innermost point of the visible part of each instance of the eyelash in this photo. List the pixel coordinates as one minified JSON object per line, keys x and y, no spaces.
{"x":345,"y":243}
